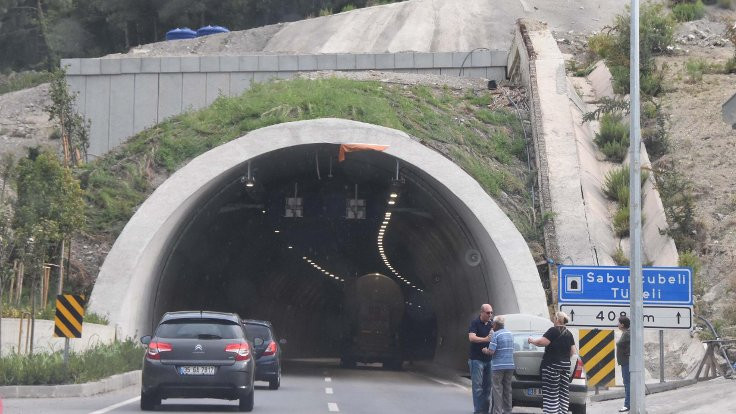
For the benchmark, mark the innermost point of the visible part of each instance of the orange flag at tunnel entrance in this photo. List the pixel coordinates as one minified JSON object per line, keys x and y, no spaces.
{"x":358,"y":147}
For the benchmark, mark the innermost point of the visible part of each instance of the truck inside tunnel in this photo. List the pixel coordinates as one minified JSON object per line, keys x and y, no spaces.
{"x":286,"y":236}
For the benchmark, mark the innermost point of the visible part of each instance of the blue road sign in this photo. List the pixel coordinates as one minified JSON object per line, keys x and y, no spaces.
{"x":611,"y":285}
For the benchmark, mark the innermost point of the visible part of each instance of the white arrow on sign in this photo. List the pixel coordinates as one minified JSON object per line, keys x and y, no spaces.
{"x":606,"y":316}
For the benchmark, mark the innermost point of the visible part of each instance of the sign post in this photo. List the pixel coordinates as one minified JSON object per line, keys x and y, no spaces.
{"x":68,"y":320}
{"x":652,"y":297}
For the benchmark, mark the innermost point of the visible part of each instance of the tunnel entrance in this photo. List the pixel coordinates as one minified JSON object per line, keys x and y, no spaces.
{"x":288,"y":247}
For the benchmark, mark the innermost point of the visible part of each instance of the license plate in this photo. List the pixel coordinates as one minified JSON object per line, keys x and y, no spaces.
{"x":197,"y":370}
{"x":533,"y":392}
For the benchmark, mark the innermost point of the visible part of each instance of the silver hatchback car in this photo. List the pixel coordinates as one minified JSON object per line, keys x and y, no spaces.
{"x":198,"y":354}
{"x":526,"y":385}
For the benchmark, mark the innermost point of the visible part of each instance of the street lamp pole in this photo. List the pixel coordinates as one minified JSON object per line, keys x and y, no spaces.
{"x":637,"y":301}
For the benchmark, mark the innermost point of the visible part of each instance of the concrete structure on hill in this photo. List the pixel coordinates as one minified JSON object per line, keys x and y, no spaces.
{"x":122,"y":96}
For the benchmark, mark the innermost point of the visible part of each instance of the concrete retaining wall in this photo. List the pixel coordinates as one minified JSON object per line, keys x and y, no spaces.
{"x":44,"y":341}
{"x":123,"y":96}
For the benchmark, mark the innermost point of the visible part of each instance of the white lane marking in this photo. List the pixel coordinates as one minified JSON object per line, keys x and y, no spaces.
{"x":328,"y":379}
{"x":525,"y":6}
{"x":447,"y":383}
{"x":114,"y":406}
{"x":328,"y":390}
{"x":332,"y":407}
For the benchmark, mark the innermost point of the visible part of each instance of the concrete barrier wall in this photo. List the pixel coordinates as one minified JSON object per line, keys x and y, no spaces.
{"x":44,"y":340}
{"x":122,"y":96}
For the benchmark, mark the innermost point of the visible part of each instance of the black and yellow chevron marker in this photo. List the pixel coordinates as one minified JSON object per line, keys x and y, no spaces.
{"x":597,"y":349}
{"x":69,"y":316}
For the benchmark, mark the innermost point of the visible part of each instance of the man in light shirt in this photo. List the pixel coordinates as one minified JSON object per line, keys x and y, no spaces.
{"x":501,"y":348}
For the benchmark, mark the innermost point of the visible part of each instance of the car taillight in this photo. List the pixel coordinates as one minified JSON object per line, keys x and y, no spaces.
{"x":270,"y":349}
{"x":241,"y":350}
{"x":155,"y":349}
{"x":579,"y":373}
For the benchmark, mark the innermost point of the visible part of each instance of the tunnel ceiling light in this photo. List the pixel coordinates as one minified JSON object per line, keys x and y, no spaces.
{"x":291,"y":247}
{"x":391,"y":202}
{"x":248,"y":180}
{"x":263,"y":211}
{"x":393,"y":195}
{"x":277,"y":231}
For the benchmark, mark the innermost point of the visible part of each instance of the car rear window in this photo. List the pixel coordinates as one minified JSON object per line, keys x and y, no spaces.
{"x":521,"y":342}
{"x":257,"y":331}
{"x":199,"y":329}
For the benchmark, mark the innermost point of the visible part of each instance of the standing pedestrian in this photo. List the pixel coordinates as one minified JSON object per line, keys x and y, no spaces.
{"x":623,"y":351}
{"x":479,"y":335}
{"x":559,"y":346}
{"x":501,"y":348}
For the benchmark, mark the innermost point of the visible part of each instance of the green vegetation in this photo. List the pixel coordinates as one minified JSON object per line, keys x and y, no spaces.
{"x":616,"y":188}
{"x":690,"y":259}
{"x":686,"y":11}
{"x":621,"y":221}
{"x":619,"y":257}
{"x":679,"y":205}
{"x":656,"y":33}
{"x":48,"y":313}
{"x":93,"y":364}
{"x":616,"y":184}
{"x":22,"y":80}
{"x":489,"y":145}
{"x":613,"y":137}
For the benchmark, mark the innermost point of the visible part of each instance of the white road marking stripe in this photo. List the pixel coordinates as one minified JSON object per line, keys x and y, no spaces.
{"x":328,"y":390}
{"x":114,"y":406}
{"x":447,"y":383}
{"x":328,"y":379}
{"x":332,"y":407}
{"x":525,"y":6}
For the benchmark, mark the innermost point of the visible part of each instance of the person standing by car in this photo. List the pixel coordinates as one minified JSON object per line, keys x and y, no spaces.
{"x":479,"y":335}
{"x":559,"y":346}
{"x":501,"y":348}
{"x":623,"y":350}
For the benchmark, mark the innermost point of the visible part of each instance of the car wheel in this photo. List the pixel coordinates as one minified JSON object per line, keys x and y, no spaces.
{"x":275,"y":383}
{"x":578,"y":409}
{"x":246,"y":401}
{"x":149,"y":401}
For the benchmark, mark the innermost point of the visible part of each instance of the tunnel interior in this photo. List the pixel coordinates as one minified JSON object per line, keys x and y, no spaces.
{"x":288,"y":248}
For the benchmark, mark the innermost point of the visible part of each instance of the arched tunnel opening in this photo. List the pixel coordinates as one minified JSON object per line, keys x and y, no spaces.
{"x":290,"y":248}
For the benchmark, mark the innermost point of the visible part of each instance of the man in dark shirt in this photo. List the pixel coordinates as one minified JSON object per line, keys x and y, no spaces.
{"x":479,"y":335}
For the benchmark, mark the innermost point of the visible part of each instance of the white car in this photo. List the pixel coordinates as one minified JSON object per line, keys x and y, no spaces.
{"x":527,"y":382}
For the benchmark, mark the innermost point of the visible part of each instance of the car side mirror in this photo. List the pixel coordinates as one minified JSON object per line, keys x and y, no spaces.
{"x":282,"y":341}
{"x":145,"y":340}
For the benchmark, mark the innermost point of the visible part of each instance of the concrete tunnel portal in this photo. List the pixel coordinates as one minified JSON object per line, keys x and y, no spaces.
{"x":207,"y":240}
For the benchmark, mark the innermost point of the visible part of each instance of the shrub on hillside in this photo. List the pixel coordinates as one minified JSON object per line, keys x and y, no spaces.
{"x":613,"y":137}
{"x":656,"y":33}
{"x":621,"y":222}
{"x":616,"y":184}
{"x":685,"y":12}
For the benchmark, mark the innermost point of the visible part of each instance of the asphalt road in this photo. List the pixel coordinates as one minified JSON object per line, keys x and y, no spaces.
{"x":321,"y":387}
{"x":312,"y":387}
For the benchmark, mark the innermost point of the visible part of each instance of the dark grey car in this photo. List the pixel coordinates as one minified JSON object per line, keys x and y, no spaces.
{"x":198,"y":354}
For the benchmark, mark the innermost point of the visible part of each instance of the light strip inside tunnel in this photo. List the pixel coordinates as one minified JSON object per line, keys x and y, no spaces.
{"x":319,"y":268}
{"x":381,"y":232}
